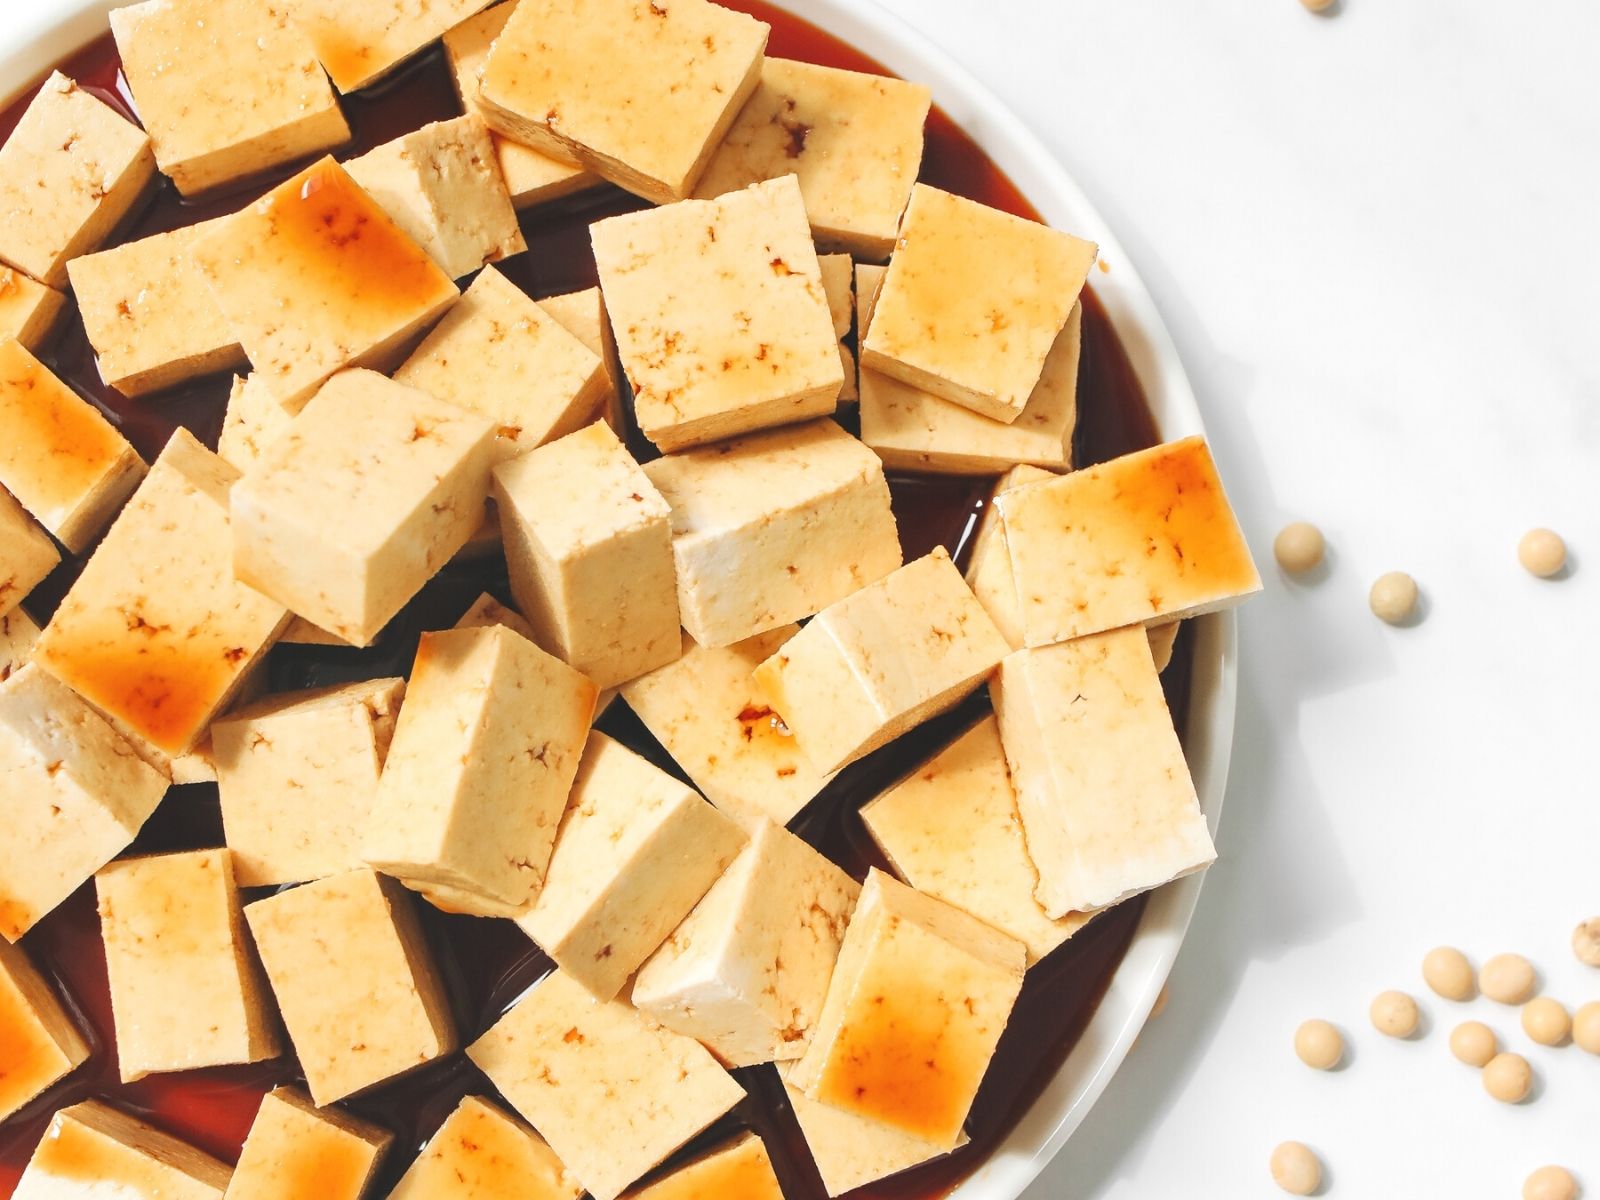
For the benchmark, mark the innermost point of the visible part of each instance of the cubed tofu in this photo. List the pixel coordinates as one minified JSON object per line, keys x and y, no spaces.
{"x":28,"y":309}
{"x":253,"y":421}
{"x":27,"y":554}
{"x":973,"y":302}
{"x":361,"y":43}
{"x":746,"y":973}
{"x":39,"y":1042}
{"x":18,"y":636}
{"x":1163,"y":640}
{"x":296,"y":1150}
{"x":918,"y":1002}
{"x":69,"y":173}
{"x":486,"y":611}
{"x":635,"y":853}
{"x":93,"y":1150}
{"x":1146,"y":538}
{"x":186,"y":990}
{"x":989,"y":568}
{"x":354,"y":980}
{"x":156,"y":631}
{"x":951,"y":830}
{"x":1102,"y":785}
{"x":882,"y":661}
{"x":583,"y":315}
{"x":721,"y":320}
{"x":854,"y":141}
{"x":482,"y":1152}
{"x":501,"y":355}
{"x":59,"y":457}
{"x":640,"y":93}
{"x":774,"y":527}
{"x":298,"y":776}
{"x":613,"y":1093}
{"x":589,"y":545}
{"x":226,"y":88}
{"x":371,"y":490}
{"x":315,"y":276}
{"x":838,"y":284}
{"x":739,"y":1171}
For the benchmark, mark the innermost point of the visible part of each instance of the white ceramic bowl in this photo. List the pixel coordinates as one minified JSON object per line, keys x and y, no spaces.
{"x":32,"y":41}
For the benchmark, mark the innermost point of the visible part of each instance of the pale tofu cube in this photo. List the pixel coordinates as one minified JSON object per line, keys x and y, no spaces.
{"x":838,"y":284}
{"x":774,"y":527}
{"x":28,"y":309}
{"x":69,"y":172}
{"x":315,"y":276}
{"x":296,"y":1150}
{"x":740,"y":1171}
{"x":638,"y":93}
{"x":747,"y":971}
{"x":721,"y":321}
{"x":918,"y":1002}
{"x":63,"y":461}
{"x":371,"y":490}
{"x":854,"y":141}
{"x":989,"y":568}
{"x":186,"y":991}
{"x":157,"y":632}
{"x":951,"y":830}
{"x":482,"y":1152}
{"x":973,"y":302}
{"x":18,"y":636}
{"x":486,"y":611}
{"x":226,"y":88}
{"x":359,"y":43}
{"x":42,"y":1042}
{"x":253,"y":421}
{"x":882,"y":661}
{"x":1163,"y":640}
{"x":298,"y":776}
{"x":1102,"y":786}
{"x":92,"y":1150}
{"x":27,"y":554}
{"x":613,"y":1093}
{"x":583,"y":315}
{"x":635,"y":853}
{"x":501,"y":355}
{"x":354,"y":980}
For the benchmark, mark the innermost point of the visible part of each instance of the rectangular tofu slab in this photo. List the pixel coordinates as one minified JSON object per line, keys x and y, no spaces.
{"x":482,"y":1152}
{"x":486,"y":611}
{"x":27,"y":554}
{"x":253,"y":421}
{"x":296,"y":1150}
{"x":741,"y":1170}
{"x":360,"y":43}
{"x":774,"y":527}
{"x":28,"y":309}
{"x":612,"y":1092}
{"x":838,"y":284}
{"x":989,"y":568}
{"x":94,"y":1150}
{"x":1102,"y":785}
{"x":18,"y":636}
{"x":583,"y":315}
{"x":42,"y":1043}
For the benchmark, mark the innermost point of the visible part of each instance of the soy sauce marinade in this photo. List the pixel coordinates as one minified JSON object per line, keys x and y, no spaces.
{"x":487,"y":964}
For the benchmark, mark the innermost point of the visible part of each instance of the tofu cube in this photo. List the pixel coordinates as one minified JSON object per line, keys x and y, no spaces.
{"x":589,"y":545}
{"x":371,"y":490}
{"x":92,"y":1149}
{"x":70,"y":171}
{"x":973,"y":302}
{"x":253,"y":421}
{"x":1102,"y":785}
{"x":226,"y":88}
{"x":41,"y":1042}
{"x":918,"y":1001}
{"x":613,"y":1093}
{"x":720,"y":317}
{"x":838,"y":284}
{"x":482,"y":1152}
{"x":295,"y":1149}
{"x":355,"y":981}
{"x":1163,"y":639}
{"x":854,"y":141}
{"x":989,"y":568}
{"x":635,"y":853}
{"x":486,"y":612}
{"x":18,"y":636}
{"x":746,"y":973}
{"x":640,"y":93}
{"x":315,"y":276}
{"x":882,"y":661}
{"x":27,"y":554}
{"x":361,"y":43}
{"x":28,"y":309}
{"x":583,"y":315}
{"x":774,"y":527}
{"x":742,"y":1169}
{"x":1146,"y":538}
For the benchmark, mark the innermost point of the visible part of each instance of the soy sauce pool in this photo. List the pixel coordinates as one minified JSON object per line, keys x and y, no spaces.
{"x":488,"y":964}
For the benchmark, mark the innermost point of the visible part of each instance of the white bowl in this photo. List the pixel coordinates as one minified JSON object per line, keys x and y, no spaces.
{"x":31,"y":42}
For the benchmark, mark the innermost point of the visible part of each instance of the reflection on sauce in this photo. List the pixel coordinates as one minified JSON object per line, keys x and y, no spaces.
{"x":54,"y":448}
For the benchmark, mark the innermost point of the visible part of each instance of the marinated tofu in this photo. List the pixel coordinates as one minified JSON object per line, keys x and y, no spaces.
{"x":295,"y":1150}
{"x":482,"y":1152}
{"x":42,"y":1043}
{"x":93,"y":1149}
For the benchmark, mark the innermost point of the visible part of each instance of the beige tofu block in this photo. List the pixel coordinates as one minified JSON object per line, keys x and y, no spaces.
{"x":635,"y":853}
{"x":1163,"y":638}
{"x":638,"y":93}
{"x":226,"y":88}
{"x":39,"y":1041}
{"x":918,"y":1001}
{"x":315,"y":276}
{"x":27,"y":554}
{"x":69,"y":173}
{"x":486,"y":612}
{"x":355,"y":981}
{"x":253,"y":421}
{"x":838,"y":284}
{"x":18,"y":636}
{"x":719,"y":313}
{"x":59,"y":457}
{"x":486,"y":749}
{"x":499,"y":354}
{"x":989,"y":568}
{"x":28,"y":309}
{"x":854,"y":141}
{"x":774,"y":527}
{"x":583,"y":315}
{"x":94,"y":1150}
{"x":746,"y":973}
{"x":186,"y":991}
{"x":973,"y":302}
{"x":482,"y":1152}
{"x":298,"y":776}
{"x":360,"y":43}
{"x":1146,"y":538}
{"x":740,"y":1171}
{"x":613,"y":1093}
{"x":157,"y":632}
{"x":296,"y":1150}
{"x":371,"y":490}
{"x":882,"y":661}
{"x":589,"y":546}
